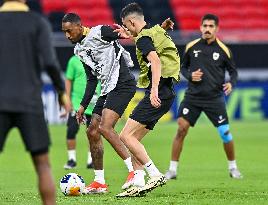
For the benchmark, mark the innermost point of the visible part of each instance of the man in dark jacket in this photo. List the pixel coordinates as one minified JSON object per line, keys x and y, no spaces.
{"x":204,"y":65}
{"x":24,"y":43}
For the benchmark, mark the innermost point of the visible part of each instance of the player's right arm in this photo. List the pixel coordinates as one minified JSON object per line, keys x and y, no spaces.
{"x":91,"y":85}
{"x":195,"y":76}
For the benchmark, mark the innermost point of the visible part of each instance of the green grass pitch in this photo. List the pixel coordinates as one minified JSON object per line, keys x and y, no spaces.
{"x":203,"y":176}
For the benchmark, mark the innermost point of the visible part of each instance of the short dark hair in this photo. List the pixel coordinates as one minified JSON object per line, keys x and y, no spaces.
{"x":211,"y":17}
{"x":130,"y":9}
{"x":71,"y":17}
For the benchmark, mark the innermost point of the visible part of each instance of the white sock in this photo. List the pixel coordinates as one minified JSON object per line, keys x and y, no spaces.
{"x":139,"y":178}
{"x":151,"y":169}
{"x":72,"y":154}
{"x":232,"y":164}
{"x":99,"y":176}
{"x":173,"y":166}
{"x":129,"y":165}
{"x":89,"y":159}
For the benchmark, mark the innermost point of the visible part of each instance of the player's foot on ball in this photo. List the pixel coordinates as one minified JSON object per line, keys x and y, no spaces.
{"x":133,"y":191}
{"x":70,"y":164}
{"x":129,"y":181}
{"x":90,"y":166}
{"x":171,"y":174}
{"x":96,"y":188}
{"x":153,"y":183}
{"x":235,"y":173}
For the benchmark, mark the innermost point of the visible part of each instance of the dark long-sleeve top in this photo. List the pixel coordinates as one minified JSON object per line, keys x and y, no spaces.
{"x":25,"y":48}
{"x":213,"y":60}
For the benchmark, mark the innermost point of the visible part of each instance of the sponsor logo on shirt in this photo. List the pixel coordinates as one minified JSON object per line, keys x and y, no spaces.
{"x":196,"y":53}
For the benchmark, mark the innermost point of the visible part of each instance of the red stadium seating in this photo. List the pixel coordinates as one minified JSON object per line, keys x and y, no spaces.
{"x":93,"y":17}
{"x":234,"y":14}
{"x":92,"y":12}
{"x":53,"y":5}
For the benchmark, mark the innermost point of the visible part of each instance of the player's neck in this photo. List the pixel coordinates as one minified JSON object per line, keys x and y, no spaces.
{"x":140,"y":27}
{"x":211,"y":40}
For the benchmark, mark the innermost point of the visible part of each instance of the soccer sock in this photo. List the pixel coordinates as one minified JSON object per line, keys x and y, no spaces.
{"x":173,"y":166}
{"x":89,"y":159}
{"x":99,"y":176}
{"x":232,"y":164}
{"x":129,"y":165}
{"x":72,"y":154}
{"x":139,"y":178}
{"x":151,"y":169}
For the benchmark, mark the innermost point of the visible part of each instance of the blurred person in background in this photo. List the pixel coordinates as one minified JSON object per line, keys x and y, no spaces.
{"x":35,"y":5}
{"x":75,"y":84}
{"x":25,"y":42}
{"x":204,"y":65}
{"x":160,"y":65}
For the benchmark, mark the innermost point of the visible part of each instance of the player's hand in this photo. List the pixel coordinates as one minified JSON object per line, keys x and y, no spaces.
{"x":167,"y":24}
{"x":80,"y":115}
{"x":155,"y":101}
{"x":197,"y":75}
{"x":123,"y":31}
{"x":65,"y":113}
{"x":64,"y":102}
{"x":227,"y":88}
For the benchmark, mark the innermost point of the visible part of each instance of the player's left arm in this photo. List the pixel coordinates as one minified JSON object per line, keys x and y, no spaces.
{"x":146,"y":46}
{"x":167,"y":24}
{"x":109,"y":34}
{"x":123,"y":32}
{"x":231,"y":68}
{"x":156,"y":74}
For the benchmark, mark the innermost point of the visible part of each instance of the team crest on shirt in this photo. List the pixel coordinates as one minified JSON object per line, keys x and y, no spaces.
{"x":185,"y":111}
{"x":216,"y":56}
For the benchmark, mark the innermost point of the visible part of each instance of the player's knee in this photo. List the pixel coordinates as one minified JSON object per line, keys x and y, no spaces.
{"x":92,"y":131}
{"x":71,"y":134}
{"x":127,"y":136}
{"x":104,"y":129}
{"x":182,"y":130}
{"x":224,"y":133}
{"x":70,"y":137}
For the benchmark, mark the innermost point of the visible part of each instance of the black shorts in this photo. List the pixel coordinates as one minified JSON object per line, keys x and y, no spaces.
{"x":32,"y":126}
{"x":116,"y":100}
{"x":214,"y":109}
{"x":73,"y":126}
{"x":148,"y":115}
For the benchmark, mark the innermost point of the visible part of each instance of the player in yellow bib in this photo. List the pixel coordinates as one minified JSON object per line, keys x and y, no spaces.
{"x":160,"y":64}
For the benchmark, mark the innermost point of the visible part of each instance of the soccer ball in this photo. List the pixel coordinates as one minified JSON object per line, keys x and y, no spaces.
{"x":72,"y":184}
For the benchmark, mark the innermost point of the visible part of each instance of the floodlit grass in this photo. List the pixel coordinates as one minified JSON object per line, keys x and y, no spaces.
{"x":203,"y":176}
